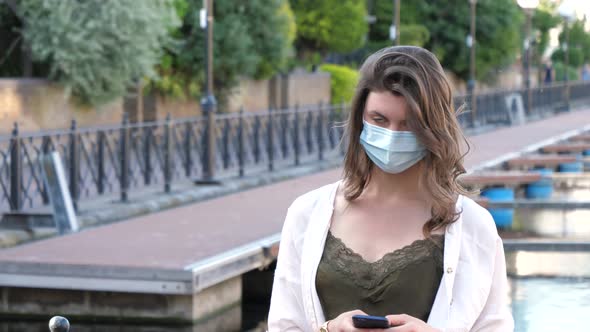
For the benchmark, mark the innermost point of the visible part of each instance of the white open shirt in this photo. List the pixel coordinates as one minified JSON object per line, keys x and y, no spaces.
{"x":473,"y":291}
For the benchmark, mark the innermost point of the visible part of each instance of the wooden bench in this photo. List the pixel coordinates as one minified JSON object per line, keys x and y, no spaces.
{"x":499,"y":186}
{"x":540,"y":160}
{"x":581,"y":138}
{"x":499,"y":178}
{"x":577,"y":147}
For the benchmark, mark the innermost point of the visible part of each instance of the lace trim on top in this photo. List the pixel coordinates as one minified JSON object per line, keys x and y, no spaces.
{"x":370,"y":274}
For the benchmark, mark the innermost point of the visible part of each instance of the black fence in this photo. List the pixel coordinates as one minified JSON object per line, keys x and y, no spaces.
{"x":121,"y":160}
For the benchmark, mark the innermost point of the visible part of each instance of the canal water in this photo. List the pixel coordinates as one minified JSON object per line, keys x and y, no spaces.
{"x":551,"y":304}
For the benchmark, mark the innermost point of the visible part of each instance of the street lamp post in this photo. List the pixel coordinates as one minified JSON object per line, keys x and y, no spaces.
{"x":394,"y":29}
{"x":567,"y":65}
{"x":208,"y":102}
{"x":528,"y":6}
{"x":471,"y":83}
{"x":567,"y":11}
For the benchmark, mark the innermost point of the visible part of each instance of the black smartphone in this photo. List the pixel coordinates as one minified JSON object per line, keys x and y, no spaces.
{"x":370,"y":322}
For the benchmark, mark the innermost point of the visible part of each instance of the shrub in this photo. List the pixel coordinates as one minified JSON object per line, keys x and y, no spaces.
{"x":560,"y":72}
{"x":342,"y":83}
{"x":97,"y":49}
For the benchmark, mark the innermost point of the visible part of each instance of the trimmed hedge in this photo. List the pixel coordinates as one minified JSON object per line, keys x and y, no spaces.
{"x":572,"y":73}
{"x":342,"y":83}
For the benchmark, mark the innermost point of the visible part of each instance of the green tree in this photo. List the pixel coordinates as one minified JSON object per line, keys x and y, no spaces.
{"x":578,"y":46}
{"x":443,"y":25}
{"x":543,"y":20}
{"x":498,"y":36}
{"x":572,"y":73}
{"x":411,"y":32}
{"x":251,"y":39}
{"x":325,"y":26}
{"x":576,"y":56}
{"x":97,"y":49}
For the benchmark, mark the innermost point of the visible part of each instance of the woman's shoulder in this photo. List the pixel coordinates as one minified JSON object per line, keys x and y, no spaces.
{"x":300,"y":212}
{"x":477,"y":223}
{"x":308,"y":201}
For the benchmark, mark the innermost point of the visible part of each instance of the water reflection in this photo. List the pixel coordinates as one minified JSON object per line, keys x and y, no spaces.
{"x":550,"y":304}
{"x":553,"y":222}
{"x":556,"y":303}
{"x":554,"y":264}
{"x":556,"y":222}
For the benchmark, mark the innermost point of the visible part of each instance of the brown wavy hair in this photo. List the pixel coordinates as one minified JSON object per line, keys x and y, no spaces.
{"x":415,"y":74}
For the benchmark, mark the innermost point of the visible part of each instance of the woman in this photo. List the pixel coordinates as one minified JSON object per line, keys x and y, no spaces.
{"x":395,"y":237}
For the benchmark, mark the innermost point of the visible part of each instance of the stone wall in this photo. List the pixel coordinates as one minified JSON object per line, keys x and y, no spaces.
{"x":37,"y":104}
{"x":41,"y":105}
{"x":217,"y":308}
{"x":307,"y":89}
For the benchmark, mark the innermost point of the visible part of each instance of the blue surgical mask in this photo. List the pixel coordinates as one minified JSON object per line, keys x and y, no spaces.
{"x":392,"y":151}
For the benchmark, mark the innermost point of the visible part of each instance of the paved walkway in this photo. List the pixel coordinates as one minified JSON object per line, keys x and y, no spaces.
{"x":176,"y":238}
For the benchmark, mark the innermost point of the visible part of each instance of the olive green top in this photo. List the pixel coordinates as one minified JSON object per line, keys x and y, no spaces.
{"x":404,"y":281}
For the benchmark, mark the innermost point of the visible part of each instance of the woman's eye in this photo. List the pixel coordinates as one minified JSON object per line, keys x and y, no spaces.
{"x":378,"y":119}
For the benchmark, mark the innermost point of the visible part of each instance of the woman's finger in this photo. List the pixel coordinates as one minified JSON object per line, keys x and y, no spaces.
{"x":407,"y":327}
{"x":397,"y":320}
{"x":357,"y":312}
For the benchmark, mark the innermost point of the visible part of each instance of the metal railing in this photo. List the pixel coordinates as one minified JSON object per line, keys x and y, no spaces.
{"x":124,"y":159}
{"x":129,"y":157}
{"x":500,"y":107}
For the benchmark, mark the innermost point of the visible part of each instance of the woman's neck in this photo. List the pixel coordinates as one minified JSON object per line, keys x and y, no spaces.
{"x":404,"y":185}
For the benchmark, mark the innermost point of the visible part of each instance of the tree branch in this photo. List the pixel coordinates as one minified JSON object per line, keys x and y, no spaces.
{"x":10,"y":49}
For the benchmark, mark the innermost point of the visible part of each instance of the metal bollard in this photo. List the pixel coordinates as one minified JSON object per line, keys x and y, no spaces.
{"x":124,"y":158}
{"x":74,"y":161}
{"x":270,"y":141}
{"x":59,"y":324}
{"x":16,"y":172}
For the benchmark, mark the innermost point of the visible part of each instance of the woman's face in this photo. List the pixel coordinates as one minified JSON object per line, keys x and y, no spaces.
{"x":386,"y":110}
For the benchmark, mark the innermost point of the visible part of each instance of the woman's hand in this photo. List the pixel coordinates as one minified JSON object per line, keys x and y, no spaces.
{"x":343,"y":323}
{"x":399,"y":323}
{"x":407,"y":323}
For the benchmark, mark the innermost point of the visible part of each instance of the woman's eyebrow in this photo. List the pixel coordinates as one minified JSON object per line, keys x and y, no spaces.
{"x":373,"y":112}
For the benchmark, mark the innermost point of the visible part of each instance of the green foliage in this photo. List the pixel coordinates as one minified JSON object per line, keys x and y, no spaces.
{"x":576,"y":57}
{"x":579,"y":44}
{"x":411,"y":32}
{"x":443,"y":25}
{"x":325,"y":26}
{"x":498,"y":39}
{"x":414,"y":34}
{"x":97,"y":49}
{"x":251,"y":39}
{"x":560,"y":72}
{"x":272,"y":27}
{"x":543,"y":20}
{"x":343,"y":82}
